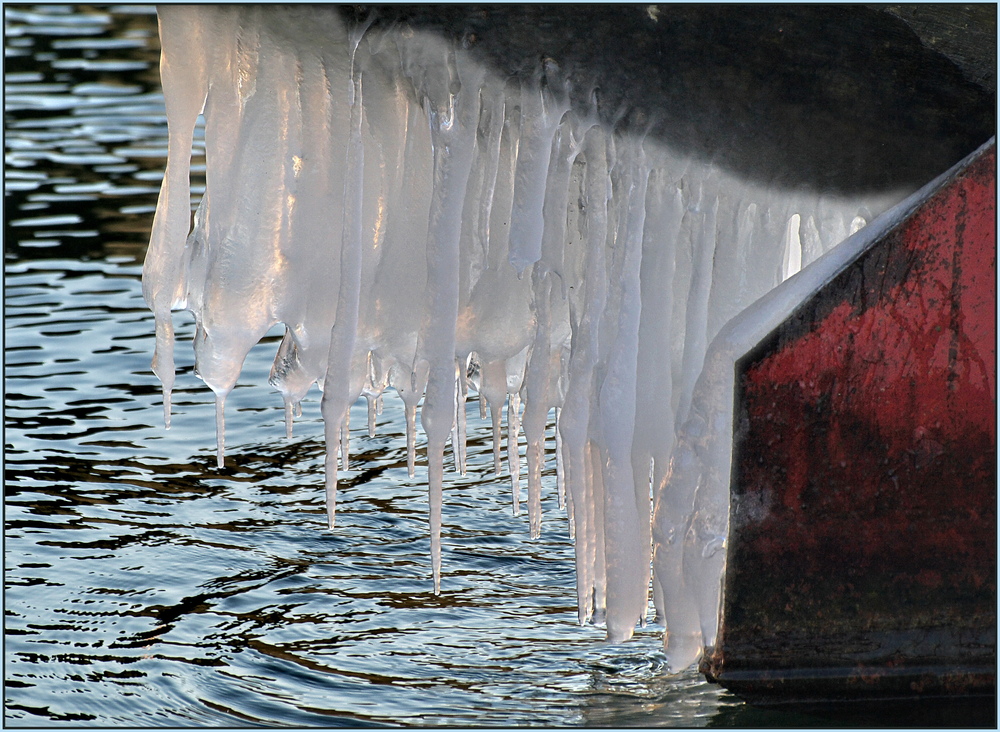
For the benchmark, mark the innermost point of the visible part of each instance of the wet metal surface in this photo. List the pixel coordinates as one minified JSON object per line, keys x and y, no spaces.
{"x":862,"y":556}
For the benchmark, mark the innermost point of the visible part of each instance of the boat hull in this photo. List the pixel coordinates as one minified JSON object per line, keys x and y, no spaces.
{"x":862,"y":538}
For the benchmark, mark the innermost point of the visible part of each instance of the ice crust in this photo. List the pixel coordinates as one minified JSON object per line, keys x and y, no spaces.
{"x":418,"y":222}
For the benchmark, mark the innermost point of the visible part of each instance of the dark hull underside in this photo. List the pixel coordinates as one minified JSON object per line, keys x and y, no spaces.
{"x":845,"y":98}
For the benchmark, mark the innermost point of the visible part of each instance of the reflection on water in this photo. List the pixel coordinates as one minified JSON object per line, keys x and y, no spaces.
{"x":85,"y":130}
{"x":144,"y":587}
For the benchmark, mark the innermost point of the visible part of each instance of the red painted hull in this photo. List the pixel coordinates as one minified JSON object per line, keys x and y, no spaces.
{"x":862,"y":540}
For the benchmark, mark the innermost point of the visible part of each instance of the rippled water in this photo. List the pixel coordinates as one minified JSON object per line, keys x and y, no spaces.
{"x":145,"y":587}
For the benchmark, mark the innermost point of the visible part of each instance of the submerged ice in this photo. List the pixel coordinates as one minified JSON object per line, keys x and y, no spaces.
{"x":421,"y":224}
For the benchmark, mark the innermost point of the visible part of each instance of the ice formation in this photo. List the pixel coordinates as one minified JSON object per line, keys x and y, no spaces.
{"x":419,"y":222}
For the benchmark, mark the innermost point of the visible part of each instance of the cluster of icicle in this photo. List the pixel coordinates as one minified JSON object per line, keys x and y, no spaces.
{"x":419,"y":222}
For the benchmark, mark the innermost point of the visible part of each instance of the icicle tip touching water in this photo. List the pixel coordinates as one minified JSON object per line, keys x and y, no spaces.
{"x":421,"y":224}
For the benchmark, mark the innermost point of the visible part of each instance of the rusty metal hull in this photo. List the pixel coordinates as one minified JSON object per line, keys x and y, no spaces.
{"x":862,"y":540}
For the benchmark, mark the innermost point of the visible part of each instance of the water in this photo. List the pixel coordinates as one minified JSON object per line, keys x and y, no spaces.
{"x":146,"y":587}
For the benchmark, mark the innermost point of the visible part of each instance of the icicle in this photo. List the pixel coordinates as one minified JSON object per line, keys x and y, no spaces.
{"x":411,"y":439}
{"x":569,"y":516}
{"x":626,"y":518}
{"x":542,"y":108}
{"x":410,"y":386}
{"x":435,"y":478}
{"x":345,"y":441}
{"x":573,"y":424}
{"x":513,"y":454}
{"x":462,"y":393}
{"x":376,"y":382}
{"x":380,"y":193}
{"x":220,"y":430}
{"x":653,"y":435}
{"x":452,"y":111}
{"x":337,"y":392}
{"x":515,"y":370}
{"x":537,"y":400}
{"x":495,"y":418}
{"x":809,"y":236}
{"x":535,"y":491}
{"x":675,"y":499}
{"x":792,"y":262}
{"x":495,"y":103}
{"x":555,"y":208}
{"x":163,"y":361}
{"x":597,"y":501}
{"x":702,"y":210}
{"x":560,"y":469}
{"x":458,"y":421}
{"x":184,"y":72}
{"x":289,"y":418}
{"x":332,"y":436}
{"x":575,"y":415}
{"x":372,"y":404}
{"x":494,"y":388}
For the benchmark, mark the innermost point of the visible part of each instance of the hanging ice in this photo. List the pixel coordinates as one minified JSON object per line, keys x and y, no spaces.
{"x":417,"y":221}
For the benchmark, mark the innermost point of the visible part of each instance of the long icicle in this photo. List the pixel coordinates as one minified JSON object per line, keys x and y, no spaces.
{"x":336,"y":401}
{"x":451,"y":115}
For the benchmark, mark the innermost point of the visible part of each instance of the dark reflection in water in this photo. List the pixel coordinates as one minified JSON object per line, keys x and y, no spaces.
{"x":144,"y":587}
{"x":85,"y":130}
